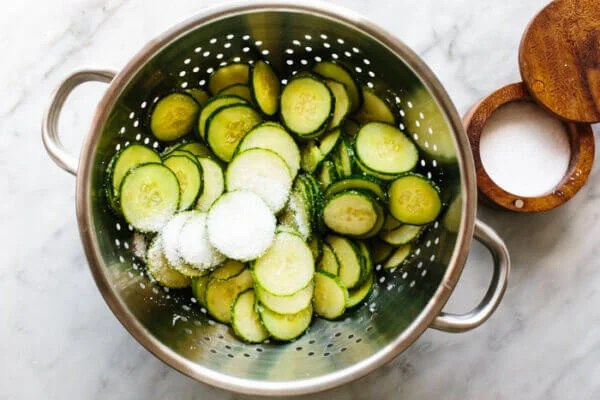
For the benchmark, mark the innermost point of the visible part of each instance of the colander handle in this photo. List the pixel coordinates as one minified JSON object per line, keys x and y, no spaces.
{"x":54,"y":146}
{"x":457,"y":323}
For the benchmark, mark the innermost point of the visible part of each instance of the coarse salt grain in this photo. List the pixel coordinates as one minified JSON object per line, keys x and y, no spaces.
{"x":525,"y":150}
{"x":139,"y":245}
{"x":193,"y":245}
{"x":241,"y":225}
{"x":170,"y":237}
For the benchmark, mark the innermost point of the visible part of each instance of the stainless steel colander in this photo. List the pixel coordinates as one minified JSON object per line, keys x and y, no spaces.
{"x":405,"y":302}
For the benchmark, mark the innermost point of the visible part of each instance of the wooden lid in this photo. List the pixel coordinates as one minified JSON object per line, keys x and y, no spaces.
{"x":581,"y":140}
{"x":559,"y":59}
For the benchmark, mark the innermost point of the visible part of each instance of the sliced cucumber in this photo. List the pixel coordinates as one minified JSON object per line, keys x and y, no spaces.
{"x":245,"y":319}
{"x":381,"y":250}
{"x":291,"y":304}
{"x":401,"y":235}
{"x":414,"y":200}
{"x":149,"y":197}
{"x":227,"y":76}
{"x":390,"y":223}
{"x":306,"y":106}
{"x":199,"y":288}
{"x":343,"y":158}
{"x":199,"y":95}
{"x":265,"y":88}
{"x":367,"y":260}
{"x":316,"y":248}
{"x":342,"y":102}
{"x":241,"y":225}
{"x":350,"y":259}
{"x":174,"y":116}
{"x":360,"y":294}
{"x":327,"y":174}
{"x":220,"y":294}
{"x":262,"y":172}
{"x":193,"y":245}
{"x":350,"y":127}
{"x":227,"y":126}
{"x":272,"y":136}
{"x":351,"y":213}
{"x":125,"y":160}
{"x":329,"y":262}
{"x":287,"y":266}
{"x":312,"y":190}
{"x":315,"y":151}
{"x":374,"y":108}
{"x":330,"y":296}
{"x":285,"y":327}
{"x":169,"y":236}
{"x":297,"y":215}
{"x":451,"y":220}
{"x":160,"y":270}
{"x":213,"y":105}
{"x":380,"y":221}
{"x":385,"y":149}
{"x":214,"y":184}
{"x":338,"y":73}
{"x":398,"y":257}
{"x":238,"y":89}
{"x":228,"y":269}
{"x":189,"y":176}
{"x":196,"y":149}
{"x":357,"y":182}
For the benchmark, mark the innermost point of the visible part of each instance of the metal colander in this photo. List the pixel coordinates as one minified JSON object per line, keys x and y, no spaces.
{"x":404,"y":303}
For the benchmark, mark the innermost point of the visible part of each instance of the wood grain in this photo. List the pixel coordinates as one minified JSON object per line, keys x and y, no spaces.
{"x":559,"y":59}
{"x":581,"y":140}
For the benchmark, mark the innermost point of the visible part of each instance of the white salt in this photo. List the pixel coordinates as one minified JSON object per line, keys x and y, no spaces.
{"x":193,"y":245}
{"x":241,"y":225}
{"x":170,"y":237}
{"x":524,"y":149}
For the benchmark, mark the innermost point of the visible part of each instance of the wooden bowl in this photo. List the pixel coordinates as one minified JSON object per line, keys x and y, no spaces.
{"x":581,"y":140}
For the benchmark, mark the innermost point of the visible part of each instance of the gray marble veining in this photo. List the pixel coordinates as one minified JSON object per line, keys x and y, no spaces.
{"x":59,"y":340}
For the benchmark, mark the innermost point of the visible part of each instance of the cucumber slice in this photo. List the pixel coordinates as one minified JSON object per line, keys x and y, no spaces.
{"x":390,"y":223}
{"x":350,"y":127}
{"x":398,"y":257}
{"x":170,"y":236}
{"x":329,"y":262}
{"x":265,"y":87}
{"x":312,"y":190}
{"x":351,"y":213}
{"x":316,"y":248}
{"x":228,"y":269}
{"x":401,"y":235}
{"x":227,"y":126}
{"x":358,"y":295}
{"x":272,"y":136}
{"x":241,"y":225}
{"x":214,"y":184}
{"x":385,"y":149}
{"x":285,"y":327}
{"x":262,"y":172}
{"x":350,"y":259}
{"x":367,"y":260}
{"x":193,"y":245}
{"x":199,"y":288}
{"x":342,"y":103}
{"x":327,"y":174}
{"x":227,"y":76}
{"x":158,"y":267}
{"x":287,"y":266}
{"x":414,"y":200}
{"x":307,"y":105}
{"x":196,"y":149}
{"x":374,"y":108}
{"x":245,"y":319}
{"x":128,"y":158}
{"x":189,"y":176}
{"x":381,"y":250}
{"x":344,"y":158}
{"x":357,"y":182}
{"x":149,"y":197}
{"x":213,"y":105}
{"x":315,"y":151}
{"x":220,"y":294}
{"x":238,"y":89}
{"x":297,"y":215}
{"x":338,"y":73}
{"x":174,"y":116}
{"x":380,"y":221}
{"x":291,"y":304}
{"x":199,"y":95}
{"x":330,"y":296}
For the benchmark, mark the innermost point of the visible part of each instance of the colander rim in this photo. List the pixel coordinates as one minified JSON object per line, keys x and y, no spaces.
{"x":290,"y":387}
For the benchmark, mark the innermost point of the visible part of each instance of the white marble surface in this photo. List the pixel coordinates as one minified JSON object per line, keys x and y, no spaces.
{"x":58,"y":339}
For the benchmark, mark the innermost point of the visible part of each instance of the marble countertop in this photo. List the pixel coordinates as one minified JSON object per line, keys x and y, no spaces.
{"x":58,"y":338}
